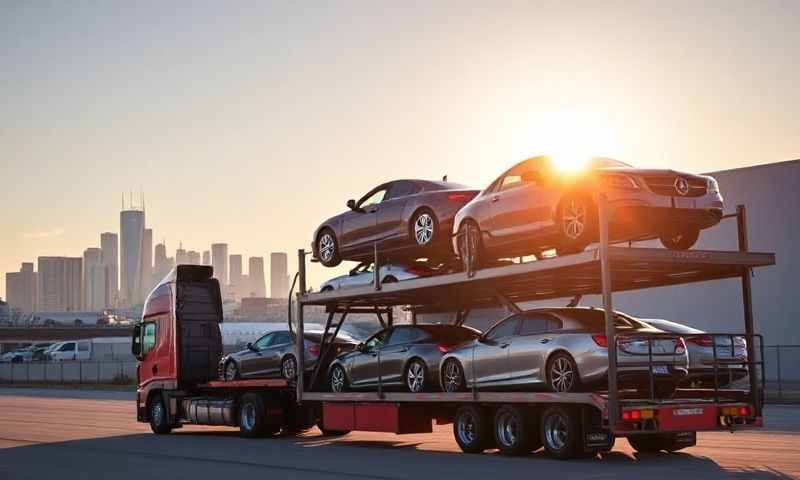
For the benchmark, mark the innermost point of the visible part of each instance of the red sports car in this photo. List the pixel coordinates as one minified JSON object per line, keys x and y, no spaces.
{"x":407,"y":219}
{"x":534,"y":206}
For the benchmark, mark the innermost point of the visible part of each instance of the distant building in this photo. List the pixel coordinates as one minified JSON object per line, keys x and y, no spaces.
{"x":255,"y":273}
{"x":22,"y":288}
{"x":278,"y":275}
{"x":162,"y":264}
{"x":206,"y":257}
{"x":131,"y":227}
{"x":181,"y":256}
{"x":5,"y":313}
{"x":219,"y":260}
{"x":147,"y":277}
{"x":193,"y":257}
{"x":237,"y":279}
{"x":109,"y":244}
{"x":95,"y":284}
{"x":60,"y":284}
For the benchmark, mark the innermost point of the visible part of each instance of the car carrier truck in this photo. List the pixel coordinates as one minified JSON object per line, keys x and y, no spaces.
{"x":178,"y":346}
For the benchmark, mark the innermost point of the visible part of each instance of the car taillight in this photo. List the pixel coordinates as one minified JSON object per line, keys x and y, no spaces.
{"x":600,"y":340}
{"x":443,"y":348}
{"x":703,"y":341}
{"x":314,"y":349}
{"x":680,"y":346}
{"x":459,"y":197}
{"x":418,"y":270}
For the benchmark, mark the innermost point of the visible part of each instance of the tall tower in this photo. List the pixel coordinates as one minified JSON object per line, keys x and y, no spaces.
{"x":109,"y":244}
{"x":219,"y":260}
{"x":206,"y":257}
{"x":181,"y":256}
{"x":131,"y":227}
{"x":94,"y":280}
{"x":147,"y":265}
{"x":278,"y":275}
{"x":255,"y":274}
{"x":237,"y":279}
{"x":162,"y":264}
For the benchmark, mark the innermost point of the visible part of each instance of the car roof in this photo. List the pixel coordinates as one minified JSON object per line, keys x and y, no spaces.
{"x":673,"y":327}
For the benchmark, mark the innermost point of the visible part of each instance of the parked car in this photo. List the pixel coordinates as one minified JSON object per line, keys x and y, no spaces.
{"x":364,"y":274}
{"x":90,"y":349}
{"x":273,"y":356}
{"x":533,"y":207}
{"x":404,"y":356}
{"x":701,"y":354}
{"x":562,"y":350}
{"x":408,"y":219}
{"x":15,"y":356}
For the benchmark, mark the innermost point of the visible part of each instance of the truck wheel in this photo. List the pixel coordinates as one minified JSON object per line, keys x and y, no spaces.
{"x":472,"y":429}
{"x":560,"y":432}
{"x":514,"y":432}
{"x":159,"y":417}
{"x":252,"y":417}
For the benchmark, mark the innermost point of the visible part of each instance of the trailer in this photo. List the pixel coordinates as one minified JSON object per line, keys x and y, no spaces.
{"x":567,"y":425}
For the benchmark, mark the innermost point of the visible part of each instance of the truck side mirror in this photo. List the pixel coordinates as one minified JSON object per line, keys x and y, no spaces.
{"x":136,"y":341}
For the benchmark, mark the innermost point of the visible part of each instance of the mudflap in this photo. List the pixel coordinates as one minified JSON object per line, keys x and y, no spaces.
{"x":596,"y":440}
{"x":683,"y":439}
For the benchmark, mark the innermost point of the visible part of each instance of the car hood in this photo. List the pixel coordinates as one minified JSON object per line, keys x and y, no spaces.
{"x":648,"y":172}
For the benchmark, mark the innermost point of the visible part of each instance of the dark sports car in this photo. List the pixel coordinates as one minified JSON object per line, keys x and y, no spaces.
{"x":534,"y":206}
{"x":408,"y":219}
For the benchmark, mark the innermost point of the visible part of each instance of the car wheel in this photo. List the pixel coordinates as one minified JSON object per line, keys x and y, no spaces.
{"x":231,"y":371}
{"x":416,"y":376}
{"x":562,"y":373}
{"x":514,"y":431}
{"x":338,"y":380}
{"x":326,"y":288}
{"x":423,"y":227}
{"x":289,"y":368}
{"x":472,"y":429}
{"x":253,"y":421}
{"x":389,"y":279}
{"x":576,"y":220}
{"x":328,"y":248}
{"x":453,"y":376}
{"x":681,"y":241}
{"x":560,"y":432}
{"x":159,"y":417}
{"x":469,"y":229}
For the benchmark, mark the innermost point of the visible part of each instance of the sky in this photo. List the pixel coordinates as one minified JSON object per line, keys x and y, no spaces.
{"x":251,"y":122}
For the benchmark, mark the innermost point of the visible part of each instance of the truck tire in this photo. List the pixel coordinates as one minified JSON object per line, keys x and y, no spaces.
{"x":159,"y":416}
{"x":561,"y":435}
{"x":252,"y":417}
{"x":515,"y":431}
{"x":472,"y":429}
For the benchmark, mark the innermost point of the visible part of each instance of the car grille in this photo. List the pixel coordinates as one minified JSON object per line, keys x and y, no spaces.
{"x":665,"y":185}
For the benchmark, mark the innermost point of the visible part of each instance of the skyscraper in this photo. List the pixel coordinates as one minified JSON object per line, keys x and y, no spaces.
{"x":278,"y":275}
{"x":163,"y":264}
{"x":109,"y":244}
{"x":21,"y":288}
{"x":94,"y":280}
{"x":237,"y":279}
{"x":219,"y":260}
{"x":131,"y":227}
{"x":146,"y":280}
{"x":193,"y":257}
{"x":206,"y":257}
{"x":181,"y":257}
{"x":60,"y":284}
{"x":255,"y":275}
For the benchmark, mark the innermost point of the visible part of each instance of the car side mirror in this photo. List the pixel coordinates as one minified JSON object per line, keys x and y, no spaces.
{"x":251,"y":347}
{"x":361,"y":347}
{"x":351,"y":204}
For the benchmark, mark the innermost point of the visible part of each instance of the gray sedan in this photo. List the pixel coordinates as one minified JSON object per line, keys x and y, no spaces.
{"x":562,"y":349}
{"x":273,"y":356}
{"x":405,"y":356}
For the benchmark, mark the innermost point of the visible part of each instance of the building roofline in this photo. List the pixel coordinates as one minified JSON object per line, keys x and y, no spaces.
{"x":751,"y":167}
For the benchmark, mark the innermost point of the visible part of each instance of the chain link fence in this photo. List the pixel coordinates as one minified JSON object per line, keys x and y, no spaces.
{"x":782,"y":364}
{"x":69,"y":373}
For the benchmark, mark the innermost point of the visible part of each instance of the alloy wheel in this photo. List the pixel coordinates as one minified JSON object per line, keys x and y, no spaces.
{"x":562,"y":376}
{"x":423,"y":229}
{"x":452,"y":377}
{"x":337,"y":380}
{"x":231,"y":371}
{"x":415,"y":377}
{"x":288,"y":368}
{"x":556,"y":431}
{"x":327,"y":247}
{"x":574,"y":219}
{"x":466,"y":428}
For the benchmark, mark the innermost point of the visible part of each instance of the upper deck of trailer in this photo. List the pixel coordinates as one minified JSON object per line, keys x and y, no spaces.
{"x":631,"y":268}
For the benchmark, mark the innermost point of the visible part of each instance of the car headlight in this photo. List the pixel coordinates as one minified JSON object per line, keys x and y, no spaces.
{"x":619,"y":182}
{"x":711,"y":185}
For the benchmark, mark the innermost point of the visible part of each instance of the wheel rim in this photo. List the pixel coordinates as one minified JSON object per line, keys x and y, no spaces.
{"x":452,"y":377}
{"x":157,"y":413}
{"x":337,"y":380}
{"x":230,"y":371}
{"x":423,"y":229}
{"x":507,"y":430}
{"x":327,"y":247}
{"x":556,"y":431}
{"x":415,"y":378}
{"x":288,"y":368}
{"x":574,"y":219}
{"x":562,"y":375}
{"x":249,"y":416}
{"x":466,"y":428}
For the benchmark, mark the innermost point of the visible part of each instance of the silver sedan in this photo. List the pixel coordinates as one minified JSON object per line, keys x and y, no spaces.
{"x":364,"y":274}
{"x":562,"y":349}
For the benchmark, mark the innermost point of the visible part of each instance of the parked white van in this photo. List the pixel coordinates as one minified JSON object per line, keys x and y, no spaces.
{"x":101,"y":349}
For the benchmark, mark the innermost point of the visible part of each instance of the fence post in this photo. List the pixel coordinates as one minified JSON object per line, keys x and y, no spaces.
{"x":80,"y":372}
{"x":97,"y":366}
{"x":778,"y":368}
{"x":61,"y":363}
{"x":12,"y":372}
{"x":27,"y":373}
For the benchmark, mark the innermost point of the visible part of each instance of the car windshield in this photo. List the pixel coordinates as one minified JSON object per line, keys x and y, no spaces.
{"x":449,"y":333}
{"x":594,"y":318}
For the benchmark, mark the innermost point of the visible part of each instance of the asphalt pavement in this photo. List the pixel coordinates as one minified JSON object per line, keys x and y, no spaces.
{"x":81,"y":434}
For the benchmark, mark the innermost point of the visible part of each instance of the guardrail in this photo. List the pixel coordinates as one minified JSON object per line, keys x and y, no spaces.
{"x":69,"y":373}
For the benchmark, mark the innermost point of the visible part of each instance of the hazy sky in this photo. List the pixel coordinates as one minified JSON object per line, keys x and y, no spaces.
{"x":250,"y":122}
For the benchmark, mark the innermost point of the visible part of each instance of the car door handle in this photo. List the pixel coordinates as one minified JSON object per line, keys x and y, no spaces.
{"x":496,"y":198}
{"x":504,"y":345}
{"x":544,"y":340}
